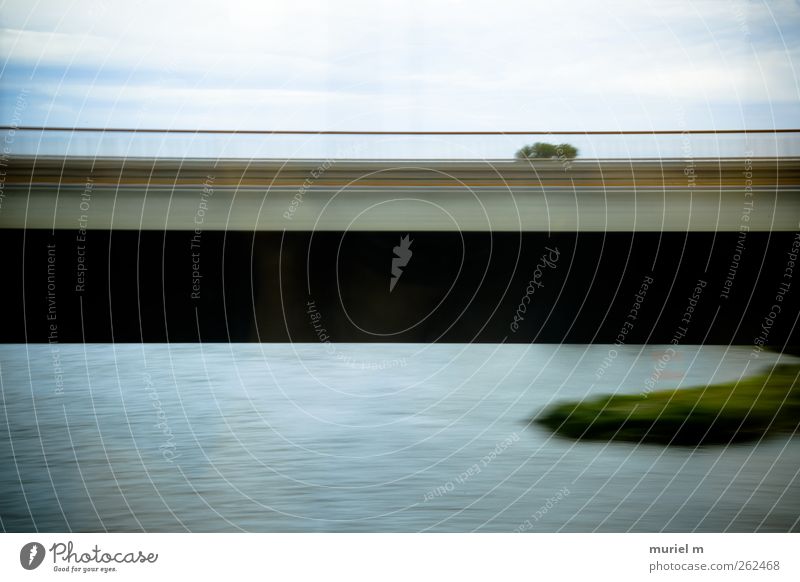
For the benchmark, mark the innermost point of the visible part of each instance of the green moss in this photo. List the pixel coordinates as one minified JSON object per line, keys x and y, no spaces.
{"x":721,"y":413}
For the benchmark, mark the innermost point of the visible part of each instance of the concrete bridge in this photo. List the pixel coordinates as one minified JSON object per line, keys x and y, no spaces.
{"x":688,"y":195}
{"x":131,"y":249}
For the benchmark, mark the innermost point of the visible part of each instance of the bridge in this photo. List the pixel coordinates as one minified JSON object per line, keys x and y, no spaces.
{"x":167,"y":246}
{"x":431,"y":195}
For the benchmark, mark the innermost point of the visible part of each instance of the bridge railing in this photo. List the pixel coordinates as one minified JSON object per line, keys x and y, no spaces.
{"x":255,"y":144}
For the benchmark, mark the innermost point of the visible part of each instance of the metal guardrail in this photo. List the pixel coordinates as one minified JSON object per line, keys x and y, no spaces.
{"x":369,"y":145}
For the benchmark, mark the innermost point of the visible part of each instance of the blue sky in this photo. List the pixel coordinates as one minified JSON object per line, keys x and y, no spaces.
{"x":405,"y":65}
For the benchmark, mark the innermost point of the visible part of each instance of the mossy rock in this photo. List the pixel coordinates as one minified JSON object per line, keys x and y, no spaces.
{"x":716,"y":414}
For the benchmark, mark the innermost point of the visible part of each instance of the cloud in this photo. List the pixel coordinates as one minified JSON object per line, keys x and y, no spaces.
{"x":429,"y":64}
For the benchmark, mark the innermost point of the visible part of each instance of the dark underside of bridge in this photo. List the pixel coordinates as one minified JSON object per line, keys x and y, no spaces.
{"x":576,"y":287}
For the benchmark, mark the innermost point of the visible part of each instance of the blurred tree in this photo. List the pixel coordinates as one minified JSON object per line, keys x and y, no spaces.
{"x":547,"y":150}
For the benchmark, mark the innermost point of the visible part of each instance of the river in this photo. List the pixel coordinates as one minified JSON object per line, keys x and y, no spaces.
{"x":364,"y":437}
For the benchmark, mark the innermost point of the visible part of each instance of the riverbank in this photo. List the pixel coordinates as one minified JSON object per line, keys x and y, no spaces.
{"x":716,"y":414}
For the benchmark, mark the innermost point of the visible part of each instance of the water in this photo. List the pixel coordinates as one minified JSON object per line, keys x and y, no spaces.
{"x":393,"y":437}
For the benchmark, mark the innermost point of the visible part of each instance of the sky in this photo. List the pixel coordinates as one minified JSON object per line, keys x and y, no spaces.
{"x":403,"y":65}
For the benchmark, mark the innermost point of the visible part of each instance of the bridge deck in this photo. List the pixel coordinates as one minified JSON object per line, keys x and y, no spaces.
{"x":498,"y":195}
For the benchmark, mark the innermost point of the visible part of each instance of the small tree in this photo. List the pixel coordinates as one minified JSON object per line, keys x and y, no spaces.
{"x":566,"y":150}
{"x":547,"y":151}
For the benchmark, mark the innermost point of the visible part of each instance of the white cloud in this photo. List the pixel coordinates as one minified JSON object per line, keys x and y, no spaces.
{"x":333,"y":61}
